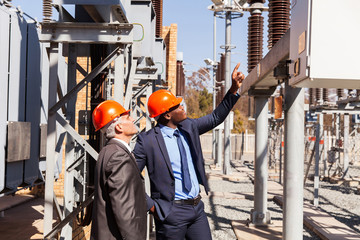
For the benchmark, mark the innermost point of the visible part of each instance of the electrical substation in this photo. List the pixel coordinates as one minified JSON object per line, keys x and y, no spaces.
{"x":303,"y":95}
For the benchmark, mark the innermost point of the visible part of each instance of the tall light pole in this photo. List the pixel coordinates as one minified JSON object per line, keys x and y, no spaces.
{"x":231,"y":9}
{"x":215,"y":141}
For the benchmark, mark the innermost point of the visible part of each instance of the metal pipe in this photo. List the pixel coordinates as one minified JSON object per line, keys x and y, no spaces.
{"x":337,"y":139}
{"x":326,"y":148}
{"x":227,"y":148}
{"x":322,"y":138}
{"x":214,"y":145}
{"x":317,"y":161}
{"x":346,"y":145}
{"x":219,"y":151}
{"x":294,"y":163}
{"x":260,"y":215}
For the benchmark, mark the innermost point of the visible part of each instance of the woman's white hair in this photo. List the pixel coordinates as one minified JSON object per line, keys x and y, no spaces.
{"x":109,"y":129}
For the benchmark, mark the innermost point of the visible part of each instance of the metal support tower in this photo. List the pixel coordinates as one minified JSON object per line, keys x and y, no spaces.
{"x":69,"y":203}
{"x":119,"y":64}
{"x":51,"y":140}
{"x":294,"y":163}
{"x":227,"y":147}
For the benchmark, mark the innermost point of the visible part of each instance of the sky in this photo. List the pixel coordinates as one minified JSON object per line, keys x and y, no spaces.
{"x":195,"y":31}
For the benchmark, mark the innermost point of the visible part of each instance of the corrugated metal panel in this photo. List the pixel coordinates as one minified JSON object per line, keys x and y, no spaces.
{"x":33,"y":103}
{"x":16,"y":106}
{"x":4,"y":55}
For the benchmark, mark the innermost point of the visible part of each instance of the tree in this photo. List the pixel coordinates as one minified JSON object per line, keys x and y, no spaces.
{"x":197,"y":98}
{"x":199,"y":101}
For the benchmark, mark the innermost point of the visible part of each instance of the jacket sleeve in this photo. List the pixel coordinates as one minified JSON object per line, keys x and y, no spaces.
{"x":141,"y":159}
{"x":123,"y":187}
{"x":139,"y":153}
{"x":213,"y":119}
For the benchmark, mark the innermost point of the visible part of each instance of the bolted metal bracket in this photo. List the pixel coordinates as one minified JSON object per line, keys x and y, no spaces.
{"x":281,"y":71}
{"x":260,"y":219}
{"x":261,"y":92}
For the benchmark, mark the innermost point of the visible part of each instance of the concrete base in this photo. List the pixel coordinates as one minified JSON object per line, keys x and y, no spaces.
{"x":245,"y":231}
{"x":260,"y":219}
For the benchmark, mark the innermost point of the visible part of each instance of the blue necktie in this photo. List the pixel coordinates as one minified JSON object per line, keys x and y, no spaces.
{"x":184,"y":164}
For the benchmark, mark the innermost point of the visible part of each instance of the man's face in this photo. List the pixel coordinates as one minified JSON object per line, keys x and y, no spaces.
{"x":127,"y":125}
{"x":177,"y":114}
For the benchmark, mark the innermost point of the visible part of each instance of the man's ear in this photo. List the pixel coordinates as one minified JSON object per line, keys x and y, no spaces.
{"x":167,"y":116}
{"x":118,"y":128}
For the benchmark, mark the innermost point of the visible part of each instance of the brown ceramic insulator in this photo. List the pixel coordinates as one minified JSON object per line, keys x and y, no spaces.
{"x":318,"y":94}
{"x":158,"y":6}
{"x":255,"y":39}
{"x":7,"y":3}
{"x":340,"y":92}
{"x":279,"y":20}
{"x":220,"y":77}
{"x":47,"y":10}
{"x":325,"y":94}
{"x":180,"y":79}
{"x":311,"y":96}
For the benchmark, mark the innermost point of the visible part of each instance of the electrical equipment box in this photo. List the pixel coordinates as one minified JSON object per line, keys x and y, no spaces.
{"x":325,"y":44}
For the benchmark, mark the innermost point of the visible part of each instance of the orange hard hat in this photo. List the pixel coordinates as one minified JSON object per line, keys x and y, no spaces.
{"x":105,"y":112}
{"x":161,"y":101}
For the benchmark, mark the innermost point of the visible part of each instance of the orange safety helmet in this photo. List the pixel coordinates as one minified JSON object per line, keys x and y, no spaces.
{"x":161,"y":101}
{"x":105,"y":112}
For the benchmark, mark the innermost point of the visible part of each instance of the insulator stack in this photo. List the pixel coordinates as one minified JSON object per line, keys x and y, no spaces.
{"x":255,"y":39}
{"x":311,"y":96}
{"x":340,"y":93}
{"x":158,"y":6}
{"x":180,"y":79}
{"x":318,"y":94}
{"x":47,"y":10}
{"x":325,"y":95}
{"x":279,"y":20}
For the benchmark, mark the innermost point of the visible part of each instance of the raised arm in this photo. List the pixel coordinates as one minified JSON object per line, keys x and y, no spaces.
{"x":210,"y":121}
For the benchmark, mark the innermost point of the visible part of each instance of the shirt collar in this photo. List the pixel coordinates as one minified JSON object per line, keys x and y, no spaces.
{"x":124,"y":143}
{"x":167,"y":131}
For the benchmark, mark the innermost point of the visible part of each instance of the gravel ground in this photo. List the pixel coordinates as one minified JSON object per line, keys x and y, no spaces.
{"x":339,"y":201}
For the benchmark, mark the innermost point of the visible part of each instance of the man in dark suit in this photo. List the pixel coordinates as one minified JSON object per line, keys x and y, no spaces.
{"x":120,"y":202}
{"x":172,"y":153}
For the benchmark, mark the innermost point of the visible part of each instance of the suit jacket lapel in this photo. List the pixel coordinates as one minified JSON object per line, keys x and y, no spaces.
{"x":160,"y":140}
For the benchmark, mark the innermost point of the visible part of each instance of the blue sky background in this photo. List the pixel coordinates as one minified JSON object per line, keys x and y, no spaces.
{"x":195,"y":30}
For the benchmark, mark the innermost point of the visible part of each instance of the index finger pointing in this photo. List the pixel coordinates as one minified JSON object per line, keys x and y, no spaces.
{"x":236,"y":68}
